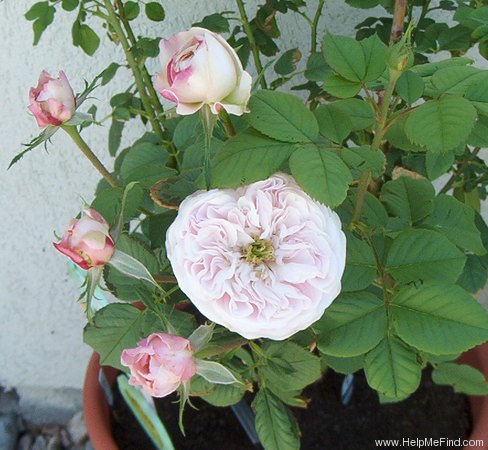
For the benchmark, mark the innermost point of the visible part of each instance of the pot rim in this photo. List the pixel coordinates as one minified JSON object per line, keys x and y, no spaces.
{"x":97,"y":412}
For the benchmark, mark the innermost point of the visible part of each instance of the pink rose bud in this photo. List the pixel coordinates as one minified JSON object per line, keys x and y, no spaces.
{"x":160,"y":363}
{"x":52,"y":102}
{"x":200,"y":67}
{"x":87,"y":240}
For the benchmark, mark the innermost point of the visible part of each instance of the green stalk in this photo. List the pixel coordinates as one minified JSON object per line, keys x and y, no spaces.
{"x":227,"y":122}
{"x":252,"y":43}
{"x":208,"y":122}
{"x":83,"y":146}
{"x":315,"y":23}
{"x":379,"y":132}
{"x":145,"y":74}
{"x":114,"y":21}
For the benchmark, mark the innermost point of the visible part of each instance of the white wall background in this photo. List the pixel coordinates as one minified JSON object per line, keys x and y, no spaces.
{"x":40,"y":321}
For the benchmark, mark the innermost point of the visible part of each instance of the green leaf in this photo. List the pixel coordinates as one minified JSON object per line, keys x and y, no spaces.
{"x":360,"y":114}
{"x":373,"y":212}
{"x":333,"y":123}
{"x":214,"y":22}
{"x":442,"y":124}
{"x":360,"y":159}
{"x":475,"y":273}
{"x":477,"y":93}
{"x":456,"y":38}
{"x":107,"y":74}
{"x":345,"y":55}
{"x":288,"y":61}
{"x":88,"y":39}
{"x":463,"y":378}
{"x":374,"y":51}
{"x":456,"y":80}
{"x":248,"y":157}
{"x":455,"y":220}
{"x":439,"y":318}
{"x":344,"y":365}
{"x":408,"y":198}
{"x":479,"y":135}
{"x":131,"y":10}
{"x":437,"y":164}
{"x":276,"y":427}
{"x":115,"y":328}
{"x":360,"y":268}
{"x":392,"y":368}
{"x":43,"y":15}
{"x":108,"y":203}
{"x":115,"y":136}
{"x":352,"y":325}
{"x":410,"y":87}
{"x":317,"y":69}
{"x":340,"y":87}
{"x":424,"y":255}
{"x":217,"y":394}
{"x":321,"y":173}
{"x":146,"y":163}
{"x":282,"y":116}
{"x":304,"y":366}
{"x":428,"y":69}
{"x":397,"y":137}
{"x":363,"y":4}
{"x":70,"y":5}
{"x":154,"y":11}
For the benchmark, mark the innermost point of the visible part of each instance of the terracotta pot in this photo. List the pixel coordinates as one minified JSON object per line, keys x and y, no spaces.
{"x":97,"y":413}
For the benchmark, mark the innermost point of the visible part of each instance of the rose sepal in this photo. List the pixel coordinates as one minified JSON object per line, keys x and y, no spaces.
{"x":131,"y":267}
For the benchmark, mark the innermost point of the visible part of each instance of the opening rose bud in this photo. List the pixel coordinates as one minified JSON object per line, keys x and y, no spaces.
{"x":160,"y":363}
{"x":200,"y":67}
{"x":87,"y":240}
{"x":52,"y":102}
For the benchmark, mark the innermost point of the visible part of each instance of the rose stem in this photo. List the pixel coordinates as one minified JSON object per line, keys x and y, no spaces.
{"x":252,"y":43}
{"x":380,"y":128}
{"x":315,"y":23}
{"x":208,"y":122}
{"x":83,"y":146}
{"x":228,"y":125}
{"x":114,"y":21}
{"x":145,"y":74}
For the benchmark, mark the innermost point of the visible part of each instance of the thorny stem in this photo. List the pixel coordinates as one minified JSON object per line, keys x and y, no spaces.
{"x":83,"y":146}
{"x":114,"y":21}
{"x":315,"y":23}
{"x":145,"y":74}
{"x":252,"y":43}
{"x":398,"y":20}
{"x":460,"y":170}
{"x":381,"y":122}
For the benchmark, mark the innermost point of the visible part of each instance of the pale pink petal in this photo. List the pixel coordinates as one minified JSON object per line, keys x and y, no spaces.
{"x":274,"y":298}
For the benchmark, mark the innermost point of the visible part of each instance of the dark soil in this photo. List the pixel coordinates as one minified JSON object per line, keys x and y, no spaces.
{"x":432,"y":412}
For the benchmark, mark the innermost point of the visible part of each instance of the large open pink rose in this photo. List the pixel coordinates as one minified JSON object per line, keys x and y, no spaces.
{"x":264,"y":260}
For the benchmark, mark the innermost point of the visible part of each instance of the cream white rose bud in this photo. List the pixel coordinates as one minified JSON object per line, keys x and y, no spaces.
{"x":201,"y":68}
